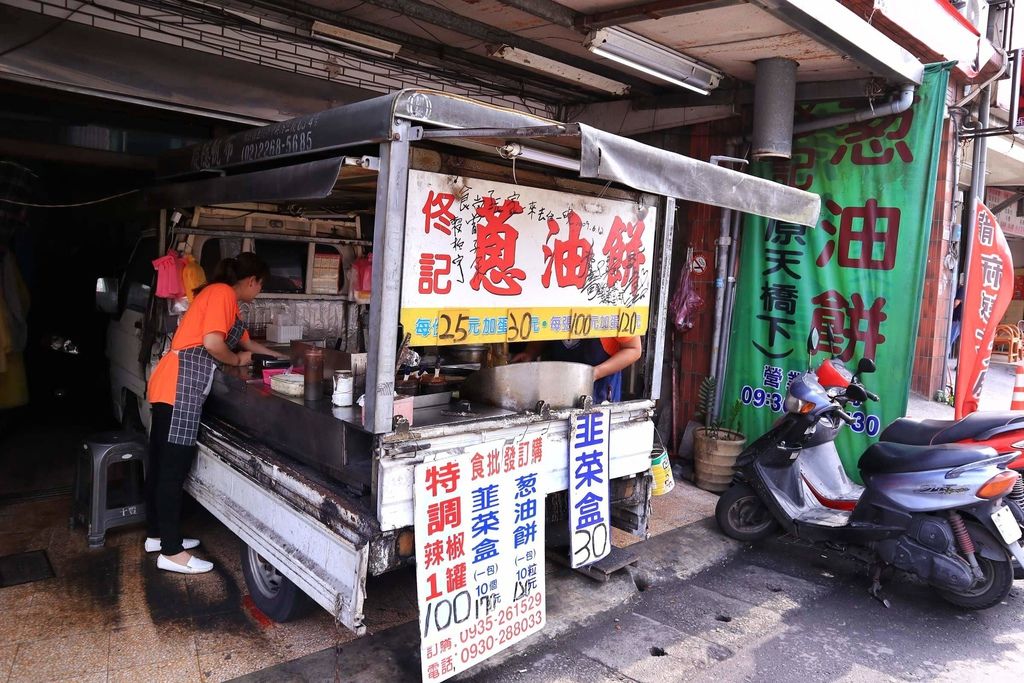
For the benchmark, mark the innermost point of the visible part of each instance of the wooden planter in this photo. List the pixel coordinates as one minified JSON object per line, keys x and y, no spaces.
{"x":715,"y":459}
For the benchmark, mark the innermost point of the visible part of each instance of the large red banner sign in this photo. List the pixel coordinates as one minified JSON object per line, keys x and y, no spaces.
{"x":987,"y":294}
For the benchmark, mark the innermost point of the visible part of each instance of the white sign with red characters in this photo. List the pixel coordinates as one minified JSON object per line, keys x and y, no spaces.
{"x":492,"y":262}
{"x":479,"y":553}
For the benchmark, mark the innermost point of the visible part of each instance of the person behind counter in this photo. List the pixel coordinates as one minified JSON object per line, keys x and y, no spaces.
{"x":609,"y":356}
{"x":208,"y":333}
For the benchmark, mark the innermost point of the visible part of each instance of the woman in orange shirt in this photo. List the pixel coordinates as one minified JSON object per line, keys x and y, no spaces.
{"x":208,"y":333}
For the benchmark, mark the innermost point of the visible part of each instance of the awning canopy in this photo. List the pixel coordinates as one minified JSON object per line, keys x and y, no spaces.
{"x":290,"y":146}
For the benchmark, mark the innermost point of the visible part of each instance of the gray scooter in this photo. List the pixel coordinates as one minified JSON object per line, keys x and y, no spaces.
{"x":933,"y":511}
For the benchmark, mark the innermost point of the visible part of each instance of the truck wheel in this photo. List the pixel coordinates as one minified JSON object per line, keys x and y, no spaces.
{"x":741,"y":515}
{"x":275,"y":595}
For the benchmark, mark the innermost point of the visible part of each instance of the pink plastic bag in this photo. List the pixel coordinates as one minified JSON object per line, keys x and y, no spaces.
{"x":685,"y":302}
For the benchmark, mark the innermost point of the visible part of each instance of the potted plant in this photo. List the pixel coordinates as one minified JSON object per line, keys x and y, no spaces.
{"x":716,"y":445}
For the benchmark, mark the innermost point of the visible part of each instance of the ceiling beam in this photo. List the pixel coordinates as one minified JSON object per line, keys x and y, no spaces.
{"x":646,"y":11}
{"x":548,"y":10}
{"x":838,"y":28}
{"x":489,"y":34}
{"x":509,"y":80}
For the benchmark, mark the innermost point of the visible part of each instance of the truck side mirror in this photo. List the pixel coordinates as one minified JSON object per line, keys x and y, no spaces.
{"x":106,"y":294}
{"x":865,"y":366}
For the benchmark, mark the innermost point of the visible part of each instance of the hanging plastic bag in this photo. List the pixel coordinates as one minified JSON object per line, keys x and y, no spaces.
{"x":685,"y":302}
{"x":192,"y":277}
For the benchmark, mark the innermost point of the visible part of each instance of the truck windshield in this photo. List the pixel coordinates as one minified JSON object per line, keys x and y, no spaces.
{"x":287,"y":262}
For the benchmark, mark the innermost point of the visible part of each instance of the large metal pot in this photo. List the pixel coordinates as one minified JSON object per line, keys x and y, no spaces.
{"x":467,"y":353}
{"x":521,"y":386}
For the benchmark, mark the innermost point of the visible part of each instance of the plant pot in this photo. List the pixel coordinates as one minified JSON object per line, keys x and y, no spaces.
{"x":714,"y":460}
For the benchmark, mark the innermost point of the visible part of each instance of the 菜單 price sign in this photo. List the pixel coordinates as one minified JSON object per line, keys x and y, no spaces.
{"x":490,"y":262}
{"x":480,"y":553}
{"x":589,"y":524}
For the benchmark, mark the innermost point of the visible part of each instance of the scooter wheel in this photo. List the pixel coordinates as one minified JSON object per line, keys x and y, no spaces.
{"x":998,"y":576}
{"x":741,"y":515}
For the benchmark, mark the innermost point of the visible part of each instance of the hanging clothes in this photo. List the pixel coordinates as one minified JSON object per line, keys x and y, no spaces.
{"x":168,"y":276}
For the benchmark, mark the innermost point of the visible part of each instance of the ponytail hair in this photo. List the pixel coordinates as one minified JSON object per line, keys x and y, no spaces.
{"x":230,"y":271}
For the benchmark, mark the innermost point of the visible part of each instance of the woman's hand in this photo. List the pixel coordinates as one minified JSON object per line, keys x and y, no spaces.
{"x":244,"y":358}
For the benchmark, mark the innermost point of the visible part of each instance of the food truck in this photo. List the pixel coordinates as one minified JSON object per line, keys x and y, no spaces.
{"x":432,"y":232}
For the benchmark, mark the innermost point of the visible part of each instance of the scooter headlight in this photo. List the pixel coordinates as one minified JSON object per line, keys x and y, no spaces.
{"x":795,"y":405}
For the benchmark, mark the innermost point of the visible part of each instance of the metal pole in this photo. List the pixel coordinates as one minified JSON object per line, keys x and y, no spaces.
{"x":955,"y":120}
{"x":979,"y":162}
{"x":660,"y":319}
{"x":388,"y":242}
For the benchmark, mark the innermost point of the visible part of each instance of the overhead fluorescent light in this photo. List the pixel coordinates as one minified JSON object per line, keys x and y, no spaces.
{"x":653,"y":59}
{"x":559,"y":70}
{"x":354,"y":40}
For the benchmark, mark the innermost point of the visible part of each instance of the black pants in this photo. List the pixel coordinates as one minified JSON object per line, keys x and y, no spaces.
{"x":169,"y":464}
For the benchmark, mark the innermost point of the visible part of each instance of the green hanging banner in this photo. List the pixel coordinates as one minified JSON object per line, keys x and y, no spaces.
{"x":856,"y":278}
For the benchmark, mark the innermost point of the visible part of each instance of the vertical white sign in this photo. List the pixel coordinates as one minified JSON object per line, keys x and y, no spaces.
{"x":589,"y":510}
{"x":479,"y":553}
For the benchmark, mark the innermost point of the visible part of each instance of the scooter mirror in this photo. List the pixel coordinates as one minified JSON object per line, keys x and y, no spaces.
{"x":865,"y":366}
{"x":855,"y":392}
{"x":813,"y":339}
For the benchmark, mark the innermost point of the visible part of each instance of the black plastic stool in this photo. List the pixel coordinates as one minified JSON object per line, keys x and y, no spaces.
{"x":99,"y":453}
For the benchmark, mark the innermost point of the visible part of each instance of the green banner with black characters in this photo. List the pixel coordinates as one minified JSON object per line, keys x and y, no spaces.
{"x":856,"y":277}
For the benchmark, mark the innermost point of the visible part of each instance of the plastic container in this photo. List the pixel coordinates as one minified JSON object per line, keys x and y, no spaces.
{"x":661,"y":470}
{"x":288,"y":384}
{"x":272,"y":372}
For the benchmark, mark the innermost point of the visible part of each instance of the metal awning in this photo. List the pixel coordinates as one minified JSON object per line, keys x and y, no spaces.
{"x":646,"y":168}
{"x":302,"y":150}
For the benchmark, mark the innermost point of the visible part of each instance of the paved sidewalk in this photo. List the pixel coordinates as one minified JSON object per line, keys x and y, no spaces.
{"x":684,"y":542}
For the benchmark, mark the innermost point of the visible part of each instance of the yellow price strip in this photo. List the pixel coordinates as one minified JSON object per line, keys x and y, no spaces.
{"x":453,"y":327}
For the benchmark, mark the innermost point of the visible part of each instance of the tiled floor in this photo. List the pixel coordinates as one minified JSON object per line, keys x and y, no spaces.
{"x":110,"y":615}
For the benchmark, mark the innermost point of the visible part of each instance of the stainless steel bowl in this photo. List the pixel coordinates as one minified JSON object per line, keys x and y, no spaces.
{"x":521,"y":386}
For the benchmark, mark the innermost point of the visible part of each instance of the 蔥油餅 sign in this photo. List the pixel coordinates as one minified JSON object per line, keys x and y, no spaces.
{"x":493,"y":262}
{"x":479,"y":552}
{"x":851,"y":287}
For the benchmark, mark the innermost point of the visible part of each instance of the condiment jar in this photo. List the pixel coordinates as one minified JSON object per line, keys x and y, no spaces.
{"x":313,"y":388}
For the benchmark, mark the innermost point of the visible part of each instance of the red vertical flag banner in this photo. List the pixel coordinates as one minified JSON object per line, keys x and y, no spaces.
{"x":987,"y":294}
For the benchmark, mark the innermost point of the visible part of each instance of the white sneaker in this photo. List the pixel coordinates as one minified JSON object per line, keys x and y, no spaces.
{"x":153,"y":544}
{"x":194,"y":566}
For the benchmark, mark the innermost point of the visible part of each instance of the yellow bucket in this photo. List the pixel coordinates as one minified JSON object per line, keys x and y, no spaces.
{"x":661,"y":470}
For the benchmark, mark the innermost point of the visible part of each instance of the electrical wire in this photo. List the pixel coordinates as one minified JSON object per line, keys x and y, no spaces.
{"x":69,"y":206}
{"x":45,"y":32}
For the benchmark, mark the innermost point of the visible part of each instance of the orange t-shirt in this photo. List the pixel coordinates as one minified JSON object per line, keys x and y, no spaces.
{"x":214,"y":309}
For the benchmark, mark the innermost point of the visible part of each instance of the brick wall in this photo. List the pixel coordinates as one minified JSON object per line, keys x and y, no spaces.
{"x":933,"y":334}
{"x":689,"y":359}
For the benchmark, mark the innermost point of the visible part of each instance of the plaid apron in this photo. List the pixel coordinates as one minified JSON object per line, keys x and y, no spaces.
{"x":195,"y":378}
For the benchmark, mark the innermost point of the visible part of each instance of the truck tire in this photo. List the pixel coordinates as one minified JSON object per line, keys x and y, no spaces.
{"x":271,"y":591}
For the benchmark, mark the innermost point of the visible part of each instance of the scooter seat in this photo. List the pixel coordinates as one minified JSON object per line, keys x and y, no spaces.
{"x":931,"y":432}
{"x":888,"y":458}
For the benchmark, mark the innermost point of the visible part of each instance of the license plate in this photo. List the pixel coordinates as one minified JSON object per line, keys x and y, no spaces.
{"x":1007,"y":525}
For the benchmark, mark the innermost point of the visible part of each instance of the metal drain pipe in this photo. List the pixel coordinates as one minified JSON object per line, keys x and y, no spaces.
{"x":774,"y":101}
{"x":899,"y":104}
